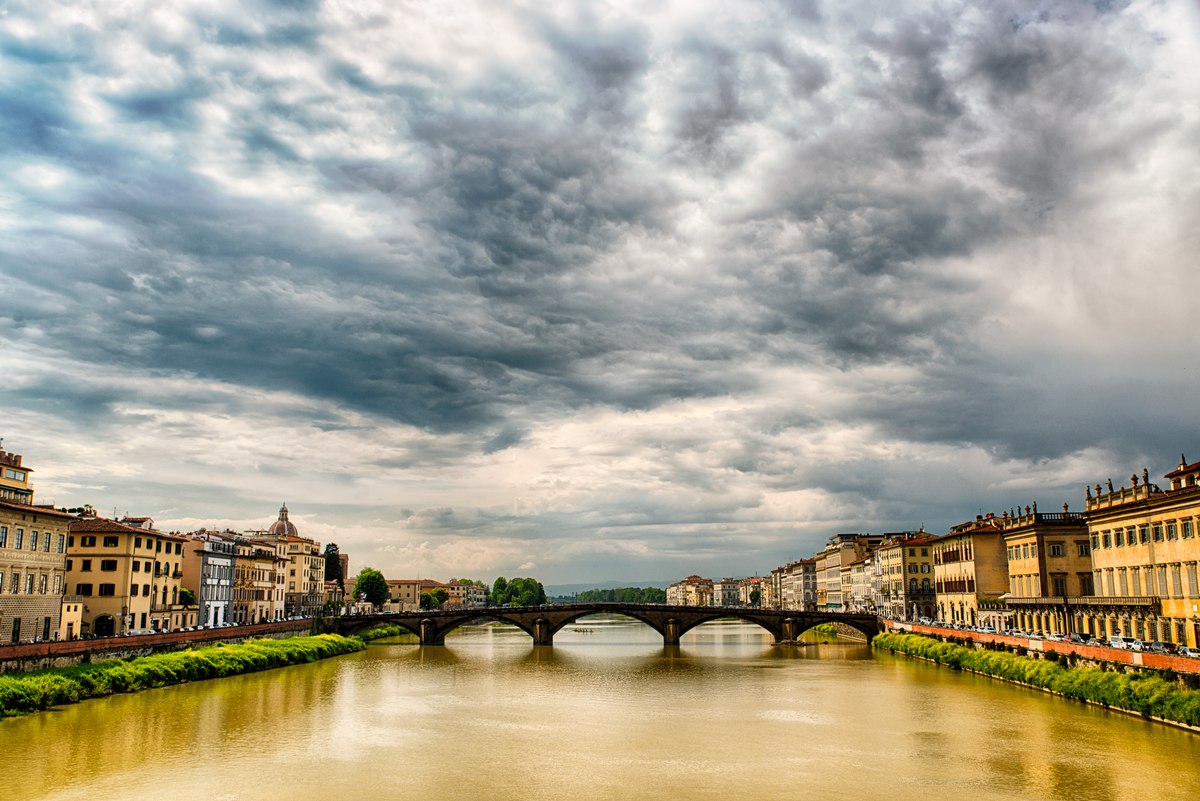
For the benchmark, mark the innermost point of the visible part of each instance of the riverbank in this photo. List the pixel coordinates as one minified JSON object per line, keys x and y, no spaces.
{"x":1143,"y":693}
{"x":24,"y":693}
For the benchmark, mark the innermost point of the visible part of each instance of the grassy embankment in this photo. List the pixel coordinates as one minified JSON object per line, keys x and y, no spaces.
{"x":1147,"y":693}
{"x":38,"y":690}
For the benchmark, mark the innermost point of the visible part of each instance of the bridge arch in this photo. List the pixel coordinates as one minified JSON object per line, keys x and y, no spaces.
{"x":543,"y":622}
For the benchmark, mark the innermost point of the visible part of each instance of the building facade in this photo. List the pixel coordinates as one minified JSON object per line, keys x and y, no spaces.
{"x":127,"y":576}
{"x":906,"y":587}
{"x":969,"y":565}
{"x":33,"y":545}
{"x":1145,"y":546}
{"x":1049,"y":569}
{"x":209,"y":563}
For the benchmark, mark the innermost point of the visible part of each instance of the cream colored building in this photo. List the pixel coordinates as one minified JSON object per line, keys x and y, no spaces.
{"x":33,"y":544}
{"x":1145,"y":546}
{"x":259,"y":568}
{"x":969,"y":566}
{"x":691,"y":591}
{"x":1049,"y":570}
{"x":128,"y":576}
{"x":906,"y":577}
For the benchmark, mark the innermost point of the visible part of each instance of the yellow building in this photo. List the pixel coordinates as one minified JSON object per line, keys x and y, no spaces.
{"x":969,"y":566}
{"x":1049,"y":569}
{"x":1145,"y":549}
{"x":906,"y":577}
{"x":258,"y":575}
{"x":33,"y":543}
{"x":691,"y":591}
{"x":128,"y":576}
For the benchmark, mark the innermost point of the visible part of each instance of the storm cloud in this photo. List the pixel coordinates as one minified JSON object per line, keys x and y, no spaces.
{"x":615,"y":292}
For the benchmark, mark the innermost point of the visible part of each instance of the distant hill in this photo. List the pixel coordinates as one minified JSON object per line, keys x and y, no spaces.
{"x":567,"y":590}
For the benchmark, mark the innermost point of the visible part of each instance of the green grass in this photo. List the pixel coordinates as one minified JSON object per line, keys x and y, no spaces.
{"x":38,"y":690}
{"x":379,"y":632}
{"x":1146,"y":693}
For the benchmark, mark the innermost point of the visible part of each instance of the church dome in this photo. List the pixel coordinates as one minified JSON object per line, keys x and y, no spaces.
{"x":283,"y":527}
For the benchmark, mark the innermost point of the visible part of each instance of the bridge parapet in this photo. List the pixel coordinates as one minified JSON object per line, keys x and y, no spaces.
{"x":543,"y":622}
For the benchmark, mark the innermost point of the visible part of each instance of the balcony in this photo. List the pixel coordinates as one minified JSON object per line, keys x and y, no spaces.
{"x":1152,"y":603}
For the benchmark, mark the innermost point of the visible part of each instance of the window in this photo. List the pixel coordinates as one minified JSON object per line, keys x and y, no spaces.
{"x":20,"y":539}
{"x":33,"y":540}
{"x":133,"y":590}
{"x":137,"y":567}
{"x":1121,"y":579}
{"x":146,"y":590}
{"x":924,"y":552}
{"x":111,"y":542}
{"x":43,"y":580}
{"x":137,"y":542}
{"x":29,"y":584}
{"x":85,"y":565}
{"x":87,"y":542}
{"x":83,"y":589}
{"x":1143,"y":534}
{"x":1171,"y":531}
{"x":1119,"y":538}
{"x":1059,"y":584}
{"x":1107,"y":540}
{"x":146,"y":565}
{"x":1162,"y":581}
{"x":1056,"y":549}
{"x":1186,"y":525}
{"x":1176,"y":581}
{"x":108,"y":565}
{"x":1158,"y":532}
{"x":58,"y":585}
{"x":1086,"y":586}
{"x":1135,"y":580}
{"x":1095,"y":540}
{"x":107,"y":590}
{"x":46,"y":543}
{"x":1193,"y":589}
{"x":15,"y":586}
{"x":1084,"y":550}
{"x":3,"y":536}
{"x":70,"y":564}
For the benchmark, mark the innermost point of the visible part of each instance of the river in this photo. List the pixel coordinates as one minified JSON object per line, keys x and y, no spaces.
{"x":606,"y":713}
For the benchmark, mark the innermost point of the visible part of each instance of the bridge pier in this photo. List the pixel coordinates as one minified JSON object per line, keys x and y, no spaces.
{"x":430,"y":635}
{"x":542,"y":633}
{"x":791,"y":631}
{"x":671,"y":632}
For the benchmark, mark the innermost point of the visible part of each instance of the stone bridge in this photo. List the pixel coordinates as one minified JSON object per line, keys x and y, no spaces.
{"x":542,"y":622}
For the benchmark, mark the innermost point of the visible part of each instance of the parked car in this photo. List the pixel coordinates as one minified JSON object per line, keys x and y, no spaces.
{"x":1075,"y":638}
{"x":1158,"y":647}
{"x":1187,"y":650}
{"x":1124,"y":643}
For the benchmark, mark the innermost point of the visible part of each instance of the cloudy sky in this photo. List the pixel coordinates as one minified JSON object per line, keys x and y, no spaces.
{"x":596,"y":290}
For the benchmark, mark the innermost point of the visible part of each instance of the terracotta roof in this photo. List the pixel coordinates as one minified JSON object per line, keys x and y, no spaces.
{"x":102,"y":525}
{"x":33,"y":509}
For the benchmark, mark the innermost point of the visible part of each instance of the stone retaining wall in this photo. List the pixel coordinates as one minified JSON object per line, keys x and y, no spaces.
{"x":38,"y":656}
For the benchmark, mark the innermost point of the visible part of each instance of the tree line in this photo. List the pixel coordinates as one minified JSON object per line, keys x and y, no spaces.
{"x":624,"y":595}
{"x":371,"y":586}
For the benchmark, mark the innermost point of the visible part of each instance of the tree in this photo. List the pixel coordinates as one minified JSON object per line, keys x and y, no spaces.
{"x":517,"y":592}
{"x":372,"y":585}
{"x":440,"y":594}
{"x":428,"y":601}
{"x":187,"y":597}
{"x":755,"y":597}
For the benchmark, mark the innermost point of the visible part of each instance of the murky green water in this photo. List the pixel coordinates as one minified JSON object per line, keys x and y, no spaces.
{"x":604,"y":714}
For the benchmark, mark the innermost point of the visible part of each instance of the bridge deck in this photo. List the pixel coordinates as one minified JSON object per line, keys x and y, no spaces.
{"x":542,"y":622}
